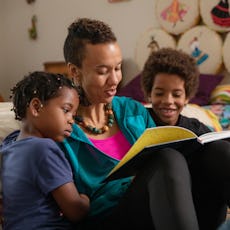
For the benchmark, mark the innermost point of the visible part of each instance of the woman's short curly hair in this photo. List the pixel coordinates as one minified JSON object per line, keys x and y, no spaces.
{"x":85,"y":31}
{"x":170,"y":61}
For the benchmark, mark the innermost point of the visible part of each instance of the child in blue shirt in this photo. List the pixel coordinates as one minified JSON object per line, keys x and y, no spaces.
{"x":37,"y":181}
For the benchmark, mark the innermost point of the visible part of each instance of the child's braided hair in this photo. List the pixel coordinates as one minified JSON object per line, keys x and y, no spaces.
{"x":39,"y":84}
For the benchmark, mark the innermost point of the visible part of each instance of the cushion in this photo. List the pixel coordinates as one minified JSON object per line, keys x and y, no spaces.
{"x":133,"y":89}
{"x":7,"y":122}
{"x":221,"y":95}
{"x":208,"y":83}
{"x":204,"y":115}
{"x":222,"y":113}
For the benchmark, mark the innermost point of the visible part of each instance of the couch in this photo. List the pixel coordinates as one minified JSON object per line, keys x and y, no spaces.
{"x":7,"y":121}
{"x":9,"y":124}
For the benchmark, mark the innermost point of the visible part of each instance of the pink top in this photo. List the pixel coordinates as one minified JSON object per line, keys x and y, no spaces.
{"x":116,"y":146}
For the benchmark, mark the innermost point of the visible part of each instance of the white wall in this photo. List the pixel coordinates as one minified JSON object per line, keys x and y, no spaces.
{"x":20,"y":55}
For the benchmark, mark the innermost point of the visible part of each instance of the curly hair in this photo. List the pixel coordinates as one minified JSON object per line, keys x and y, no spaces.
{"x":170,"y":61}
{"x":39,"y":84}
{"x":85,"y":31}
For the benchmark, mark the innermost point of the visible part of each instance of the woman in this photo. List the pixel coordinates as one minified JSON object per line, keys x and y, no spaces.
{"x":169,"y":80}
{"x":157,"y":197}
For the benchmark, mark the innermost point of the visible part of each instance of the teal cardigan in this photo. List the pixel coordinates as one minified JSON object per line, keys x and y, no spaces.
{"x":91,"y":166}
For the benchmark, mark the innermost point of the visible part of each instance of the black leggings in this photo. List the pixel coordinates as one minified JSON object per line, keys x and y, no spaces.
{"x":162,"y":195}
{"x":210,"y":173}
{"x":159,"y":197}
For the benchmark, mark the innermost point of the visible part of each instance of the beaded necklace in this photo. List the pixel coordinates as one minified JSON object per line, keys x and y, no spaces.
{"x":108,"y":111}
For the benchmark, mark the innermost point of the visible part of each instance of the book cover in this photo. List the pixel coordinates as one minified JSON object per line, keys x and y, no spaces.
{"x":157,"y":138}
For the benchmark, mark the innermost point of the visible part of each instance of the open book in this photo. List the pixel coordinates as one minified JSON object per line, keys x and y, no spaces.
{"x":157,"y":138}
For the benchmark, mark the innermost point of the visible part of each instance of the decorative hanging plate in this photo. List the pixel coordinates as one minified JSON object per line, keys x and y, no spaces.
{"x":177,"y":16}
{"x":205,"y":45}
{"x":215,"y":14}
{"x":149,"y":41}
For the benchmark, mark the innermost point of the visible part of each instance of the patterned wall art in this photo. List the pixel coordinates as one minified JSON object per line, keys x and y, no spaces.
{"x":199,"y":27}
{"x":205,"y":45}
{"x":176,"y":16}
{"x":151,"y":40}
{"x":215,"y":14}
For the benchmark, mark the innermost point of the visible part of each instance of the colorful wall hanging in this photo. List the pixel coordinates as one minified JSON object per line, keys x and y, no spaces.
{"x":149,"y":41}
{"x":177,"y":16}
{"x":215,"y":14}
{"x":205,"y":45}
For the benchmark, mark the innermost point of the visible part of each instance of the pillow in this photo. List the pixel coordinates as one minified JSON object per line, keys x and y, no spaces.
{"x":208,"y":83}
{"x":220,"y":95}
{"x":202,"y":114}
{"x":7,"y":121}
{"x":222,"y":113}
{"x":133,"y":89}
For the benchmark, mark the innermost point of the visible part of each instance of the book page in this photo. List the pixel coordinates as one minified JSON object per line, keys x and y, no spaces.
{"x":156,"y":136}
{"x":213,"y":136}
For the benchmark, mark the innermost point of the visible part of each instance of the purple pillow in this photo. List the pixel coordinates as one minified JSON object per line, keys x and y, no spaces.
{"x":208,"y":83}
{"x":133,"y":89}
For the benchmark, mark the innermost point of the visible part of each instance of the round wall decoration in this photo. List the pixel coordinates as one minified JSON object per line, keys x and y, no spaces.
{"x":177,"y":16}
{"x":205,"y":45}
{"x":215,"y":14}
{"x":151,"y":40}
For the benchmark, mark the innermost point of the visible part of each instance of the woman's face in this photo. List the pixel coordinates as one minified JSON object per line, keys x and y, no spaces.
{"x":168,"y":97}
{"x":101,"y":73}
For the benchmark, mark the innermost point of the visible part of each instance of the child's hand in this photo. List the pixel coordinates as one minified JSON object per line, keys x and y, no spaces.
{"x":85,"y":197}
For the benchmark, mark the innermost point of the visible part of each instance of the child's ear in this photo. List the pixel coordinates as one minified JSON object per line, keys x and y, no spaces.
{"x":35,"y":106}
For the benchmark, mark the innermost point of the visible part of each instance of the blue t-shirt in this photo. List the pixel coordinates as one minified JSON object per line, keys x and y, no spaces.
{"x":31,"y":169}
